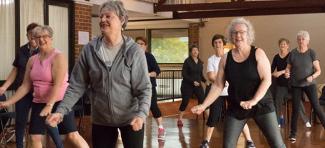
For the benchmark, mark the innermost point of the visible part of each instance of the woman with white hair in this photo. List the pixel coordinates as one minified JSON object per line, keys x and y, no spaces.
{"x":113,"y":69}
{"x":302,"y":69}
{"x":248,"y":72}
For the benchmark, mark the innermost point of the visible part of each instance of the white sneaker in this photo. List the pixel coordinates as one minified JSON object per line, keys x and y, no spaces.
{"x":308,"y":124}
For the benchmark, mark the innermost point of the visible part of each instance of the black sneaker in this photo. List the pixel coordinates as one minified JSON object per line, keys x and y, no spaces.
{"x":204,"y":144}
{"x":250,"y":144}
{"x":292,"y":138}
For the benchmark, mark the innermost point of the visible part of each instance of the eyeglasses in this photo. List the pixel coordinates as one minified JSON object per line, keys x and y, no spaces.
{"x":238,"y":32}
{"x":41,"y":36}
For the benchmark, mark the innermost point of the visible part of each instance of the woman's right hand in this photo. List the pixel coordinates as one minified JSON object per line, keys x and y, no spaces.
{"x":198,"y":109}
{"x":287,"y":74}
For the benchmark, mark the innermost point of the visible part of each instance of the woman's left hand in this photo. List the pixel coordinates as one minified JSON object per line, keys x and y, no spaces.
{"x":46,"y":111}
{"x":248,"y":104}
{"x":310,"y":79}
{"x":137,"y":123}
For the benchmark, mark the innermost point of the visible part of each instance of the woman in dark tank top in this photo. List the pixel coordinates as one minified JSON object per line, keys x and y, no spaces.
{"x":248,"y":72}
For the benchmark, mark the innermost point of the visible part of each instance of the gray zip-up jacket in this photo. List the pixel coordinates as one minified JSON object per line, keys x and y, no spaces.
{"x":117,"y":94}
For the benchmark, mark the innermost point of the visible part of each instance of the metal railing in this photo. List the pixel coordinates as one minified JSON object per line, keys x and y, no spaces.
{"x":169,"y":84}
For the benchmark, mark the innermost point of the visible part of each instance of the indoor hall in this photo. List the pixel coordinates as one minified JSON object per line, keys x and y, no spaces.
{"x":173,"y":27}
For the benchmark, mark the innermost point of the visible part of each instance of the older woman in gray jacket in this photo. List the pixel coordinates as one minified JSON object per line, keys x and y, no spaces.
{"x":113,"y":69}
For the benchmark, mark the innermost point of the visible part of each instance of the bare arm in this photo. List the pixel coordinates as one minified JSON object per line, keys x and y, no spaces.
{"x":10,"y":79}
{"x":59,"y":71}
{"x":287,"y":71}
{"x":212,"y":75}
{"x":216,"y":88}
{"x":24,"y":88}
{"x":317,"y":71}
{"x":264,"y":71}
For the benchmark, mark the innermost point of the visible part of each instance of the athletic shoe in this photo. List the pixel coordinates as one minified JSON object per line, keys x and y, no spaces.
{"x":204,"y":144}
{"x":308,"y":124}
{"x":250,"y":144}
{"x":292,"y":138}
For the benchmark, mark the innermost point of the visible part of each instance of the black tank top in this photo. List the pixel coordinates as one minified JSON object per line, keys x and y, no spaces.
{"x":244,"y":80}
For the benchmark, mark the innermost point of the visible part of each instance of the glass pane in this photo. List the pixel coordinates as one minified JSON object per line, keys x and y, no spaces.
{"x":169,"y":45}
{"x":7,"y":36}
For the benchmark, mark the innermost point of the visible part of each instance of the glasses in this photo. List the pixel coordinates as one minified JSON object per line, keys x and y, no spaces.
{"x":238,"y":32}
{"x":41,"y":36}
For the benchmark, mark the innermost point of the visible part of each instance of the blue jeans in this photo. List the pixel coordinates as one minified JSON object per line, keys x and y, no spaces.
{"x":266,"y":122}
{"x":22,"y":109}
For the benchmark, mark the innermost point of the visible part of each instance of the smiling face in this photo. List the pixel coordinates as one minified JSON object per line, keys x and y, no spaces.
{"x":109,"y":22}
{"x":284,"y":46}
{"x":43,"y":40}
{"x":239,"y":35}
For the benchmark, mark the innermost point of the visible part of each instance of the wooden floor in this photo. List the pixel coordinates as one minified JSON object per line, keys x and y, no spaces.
{"x":191,"y":134}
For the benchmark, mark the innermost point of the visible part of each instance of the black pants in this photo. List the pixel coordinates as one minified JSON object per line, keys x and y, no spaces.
{"x":156,"y":113}
{"x":280,"y":97}
{"x":106,"y":136}
{"x":187,"y":91}
{"x":217,"y":110}
{"x":311,"y":92}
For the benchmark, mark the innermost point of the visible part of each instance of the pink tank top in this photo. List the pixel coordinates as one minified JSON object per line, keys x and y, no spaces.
{"x":41,"y":77}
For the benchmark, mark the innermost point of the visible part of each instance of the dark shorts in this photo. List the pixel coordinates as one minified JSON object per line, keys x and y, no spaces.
{"x":38,"y":125}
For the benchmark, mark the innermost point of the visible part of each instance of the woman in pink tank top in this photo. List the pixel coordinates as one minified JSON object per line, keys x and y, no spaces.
{"x":47,"y":74}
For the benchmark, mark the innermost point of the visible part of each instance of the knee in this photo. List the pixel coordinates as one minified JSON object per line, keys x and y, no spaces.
{"x":36,"y":138}
{"x":73,"y":136}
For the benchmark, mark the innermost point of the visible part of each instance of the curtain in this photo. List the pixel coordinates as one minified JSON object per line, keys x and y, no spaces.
{"x":30,"y":11}
{"x":58,"y":20}
{"x":7,"y":36}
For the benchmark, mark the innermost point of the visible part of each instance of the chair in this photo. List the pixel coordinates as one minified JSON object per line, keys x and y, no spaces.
{"x":321,"y":94}
{"x":6,"y":123}
{"x":79,"y":109}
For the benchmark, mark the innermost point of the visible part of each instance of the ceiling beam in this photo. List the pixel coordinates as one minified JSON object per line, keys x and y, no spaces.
{"x":158,"y":7}
{"x":246,"y":12}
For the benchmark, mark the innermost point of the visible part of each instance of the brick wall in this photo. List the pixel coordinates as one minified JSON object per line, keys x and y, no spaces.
{"x":193,"y":34}
{"x":82,"y":22}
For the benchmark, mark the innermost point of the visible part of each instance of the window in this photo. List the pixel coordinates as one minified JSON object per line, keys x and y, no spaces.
{"x":7,"y":36}
{"x":169,"y":45}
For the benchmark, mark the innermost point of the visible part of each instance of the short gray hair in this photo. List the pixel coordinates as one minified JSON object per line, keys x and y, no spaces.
{"x":40,"y":29}
{"x":303,"y":34}
{"x":118,"y":7}
{"x":249,"y":26}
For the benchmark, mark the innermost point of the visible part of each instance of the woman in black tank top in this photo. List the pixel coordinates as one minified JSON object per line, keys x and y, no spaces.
{"x":248,"y":72}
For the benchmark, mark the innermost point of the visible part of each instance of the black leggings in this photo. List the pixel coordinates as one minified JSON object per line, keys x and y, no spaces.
{"x":106,"y":136}
{"x":156,"y":113}
{"x":187,"y":92}
{"x":266,"y":122}
{"x":311,"y":92}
